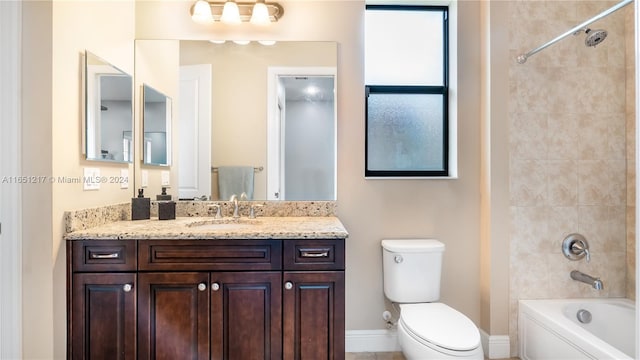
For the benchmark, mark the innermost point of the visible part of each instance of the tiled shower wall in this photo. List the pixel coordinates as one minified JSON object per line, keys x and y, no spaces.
{"x":631,"y":154}
{"x":571,"y":141}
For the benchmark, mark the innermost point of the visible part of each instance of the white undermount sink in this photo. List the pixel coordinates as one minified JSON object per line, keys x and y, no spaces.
{"x":224,"y":224}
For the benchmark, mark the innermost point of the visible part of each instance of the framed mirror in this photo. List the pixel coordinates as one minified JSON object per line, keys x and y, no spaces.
{"x":236,"y":107}
{"x":108,"y":111}
{"x":156,"y":127}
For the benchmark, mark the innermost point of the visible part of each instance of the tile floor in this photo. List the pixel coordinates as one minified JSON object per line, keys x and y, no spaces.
{"x":381,"y":356}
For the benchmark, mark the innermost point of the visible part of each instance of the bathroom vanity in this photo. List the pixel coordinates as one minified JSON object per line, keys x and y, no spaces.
{"x":203,"y":288}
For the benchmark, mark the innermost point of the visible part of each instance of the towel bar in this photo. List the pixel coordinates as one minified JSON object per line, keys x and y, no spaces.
{"x":255,"y":168}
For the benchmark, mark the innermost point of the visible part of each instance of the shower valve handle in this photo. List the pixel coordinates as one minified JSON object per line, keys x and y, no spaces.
{"x":576,"y":247}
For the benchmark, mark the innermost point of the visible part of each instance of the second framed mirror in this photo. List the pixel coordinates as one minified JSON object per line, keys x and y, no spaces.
{"x":156,"y":127}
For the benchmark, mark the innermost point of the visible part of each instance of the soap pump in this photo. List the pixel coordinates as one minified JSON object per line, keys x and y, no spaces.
{"x":140,"y":207}
{"x":164,"y":196}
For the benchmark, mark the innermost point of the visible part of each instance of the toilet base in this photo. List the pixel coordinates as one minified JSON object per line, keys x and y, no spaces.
{"x":412,"y":349}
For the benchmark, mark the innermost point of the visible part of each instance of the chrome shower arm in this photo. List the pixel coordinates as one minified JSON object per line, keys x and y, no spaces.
{"x":522,"y":58}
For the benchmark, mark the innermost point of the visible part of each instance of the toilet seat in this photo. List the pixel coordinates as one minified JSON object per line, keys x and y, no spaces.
{"x":439,"y":326}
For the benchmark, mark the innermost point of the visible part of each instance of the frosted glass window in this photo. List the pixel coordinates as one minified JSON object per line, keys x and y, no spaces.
{"x":404,"y":47}
{"x":406,"y":75}
{"x":405,"y":132}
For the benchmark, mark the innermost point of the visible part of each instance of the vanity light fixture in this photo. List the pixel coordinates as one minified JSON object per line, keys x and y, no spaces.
{"x":260,"y":14}
{"x":232,"y":12}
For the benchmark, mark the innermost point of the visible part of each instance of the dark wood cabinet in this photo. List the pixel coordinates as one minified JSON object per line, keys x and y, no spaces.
{"x":101,"y":306}
{"x":206,"y":299}
{"x":246,"y":315}
{"x":315,"y":330}
{"x":103,"y":316}
{"x":173,"y":316}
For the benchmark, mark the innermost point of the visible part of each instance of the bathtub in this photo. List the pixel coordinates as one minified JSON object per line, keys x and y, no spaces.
{"x":551,"y":330}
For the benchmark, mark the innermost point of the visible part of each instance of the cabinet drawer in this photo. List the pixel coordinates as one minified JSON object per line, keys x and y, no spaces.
{"x":205,"y":255}
{"x":314,"y":254}
{"x":104,"y":255}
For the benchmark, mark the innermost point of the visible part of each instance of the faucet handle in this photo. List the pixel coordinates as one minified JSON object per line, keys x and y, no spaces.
{"x":252,"y":211}
{"x":218,"y":214}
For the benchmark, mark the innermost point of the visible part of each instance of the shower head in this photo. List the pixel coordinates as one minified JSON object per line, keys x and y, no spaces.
{"x":594,"y":37}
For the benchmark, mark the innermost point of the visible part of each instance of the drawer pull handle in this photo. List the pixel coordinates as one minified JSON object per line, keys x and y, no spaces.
{"x":314,"y":254}
{"x":127,"y":287}
{"x":288,"y":285}
{"x":105,"y":256}
{"x":215,"y":286}
{"x":202,"y":286}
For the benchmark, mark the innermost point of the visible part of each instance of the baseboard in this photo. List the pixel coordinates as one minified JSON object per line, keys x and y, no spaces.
{"x":495,"y":346}
{"x":371,"y":341}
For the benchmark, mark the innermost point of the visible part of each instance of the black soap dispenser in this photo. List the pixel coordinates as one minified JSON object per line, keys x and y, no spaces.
{"x":140,"y":207}
{"x":164,"y":196}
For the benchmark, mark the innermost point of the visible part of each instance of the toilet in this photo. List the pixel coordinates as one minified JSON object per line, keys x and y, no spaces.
{"x":427,"y":329}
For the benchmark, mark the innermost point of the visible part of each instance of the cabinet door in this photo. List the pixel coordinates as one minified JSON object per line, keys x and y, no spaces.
{"x":246,"y":315}
{"x":173,"y":316}
{"x":313,"y":315}
{"x":103,"y":316}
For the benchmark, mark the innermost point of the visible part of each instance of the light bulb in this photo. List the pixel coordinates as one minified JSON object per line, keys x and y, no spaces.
{"x":202,"y":12}
{"x":260,"y":14}
{"x":230,"y":13}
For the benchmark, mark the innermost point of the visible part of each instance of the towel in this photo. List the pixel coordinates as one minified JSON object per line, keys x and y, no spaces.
{"x":235,"y":180}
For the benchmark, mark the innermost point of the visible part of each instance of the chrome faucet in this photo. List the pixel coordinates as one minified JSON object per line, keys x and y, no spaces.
{"x":234,"y":199}
{"x":587,"y":279}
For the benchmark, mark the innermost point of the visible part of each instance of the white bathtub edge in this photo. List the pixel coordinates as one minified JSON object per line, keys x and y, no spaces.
{"x":495,"y":346}
{"x":546,"y":314}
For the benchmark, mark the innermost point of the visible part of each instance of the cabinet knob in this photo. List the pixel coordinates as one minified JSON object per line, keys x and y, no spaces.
{"x":215,"y":286}
{"x":288,"y":285}
{"x":127,"y":287}
{"x":202,"y":286}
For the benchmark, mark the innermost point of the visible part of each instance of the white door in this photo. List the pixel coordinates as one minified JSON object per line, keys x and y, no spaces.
{"x":194,"y":166}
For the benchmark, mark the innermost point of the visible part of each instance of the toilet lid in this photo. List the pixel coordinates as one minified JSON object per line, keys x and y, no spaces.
{"x":440,"y":325}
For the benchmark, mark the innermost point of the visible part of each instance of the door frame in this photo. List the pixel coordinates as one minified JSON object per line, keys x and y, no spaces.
{"x":10,"y":190}
{"x":275,"y":152}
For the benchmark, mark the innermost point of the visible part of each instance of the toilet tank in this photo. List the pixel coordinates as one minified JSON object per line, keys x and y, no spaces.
{"x":411,"y":269}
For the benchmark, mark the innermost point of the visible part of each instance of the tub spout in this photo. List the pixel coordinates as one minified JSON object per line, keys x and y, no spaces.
{"x":587,"y":279}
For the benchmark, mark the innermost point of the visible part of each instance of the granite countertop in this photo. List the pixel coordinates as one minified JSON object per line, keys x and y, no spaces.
{"x":289,"y":227}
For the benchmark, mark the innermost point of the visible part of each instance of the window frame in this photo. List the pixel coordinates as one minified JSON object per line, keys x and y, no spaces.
{"x":415,"y":89}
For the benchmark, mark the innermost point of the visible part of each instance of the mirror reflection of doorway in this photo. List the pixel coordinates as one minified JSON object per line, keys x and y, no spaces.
{"x":302,"y":126}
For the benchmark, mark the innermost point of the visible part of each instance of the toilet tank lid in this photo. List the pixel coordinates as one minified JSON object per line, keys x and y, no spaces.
{"x":412,"y":245}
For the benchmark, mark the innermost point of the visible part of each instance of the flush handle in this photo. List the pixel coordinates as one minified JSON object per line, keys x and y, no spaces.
{"x":398,"y":259}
